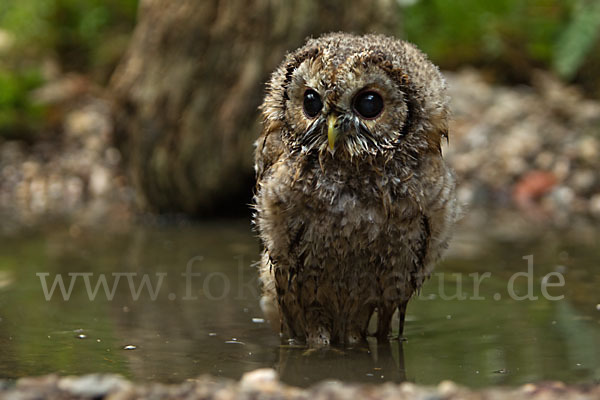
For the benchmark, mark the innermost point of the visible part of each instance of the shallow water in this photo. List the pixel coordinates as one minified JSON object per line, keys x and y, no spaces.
{"x":208,"y":320}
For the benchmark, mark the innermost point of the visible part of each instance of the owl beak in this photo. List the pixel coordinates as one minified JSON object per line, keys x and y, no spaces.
{"x":332,"y":131}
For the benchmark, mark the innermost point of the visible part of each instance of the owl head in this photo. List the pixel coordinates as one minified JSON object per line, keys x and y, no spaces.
{"x":357,"y":97}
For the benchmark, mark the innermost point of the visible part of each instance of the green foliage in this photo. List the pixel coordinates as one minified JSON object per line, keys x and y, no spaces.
{"x":75,"y":31}
{"x":578,"y":38}
{"x":509,"y":37}
{"x":87,"y":36}
{"x":17,"y":113}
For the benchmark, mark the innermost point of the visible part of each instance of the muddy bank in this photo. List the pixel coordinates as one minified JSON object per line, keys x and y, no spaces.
{"x":73,"y":172}
{"x":264,"y":384}
{"x":525,"y":156}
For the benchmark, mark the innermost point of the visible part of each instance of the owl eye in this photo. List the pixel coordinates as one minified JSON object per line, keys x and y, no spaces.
{"x":368,"y":104}
{"x":312,"y":103}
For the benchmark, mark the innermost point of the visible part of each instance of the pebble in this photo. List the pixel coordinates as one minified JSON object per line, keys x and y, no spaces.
{"x":595,"y":205}
{"x":447,"y":388}
{"x":93,"y":386}
{"x":264,"y":379}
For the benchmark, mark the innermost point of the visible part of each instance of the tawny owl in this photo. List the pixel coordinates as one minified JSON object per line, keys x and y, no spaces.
{"x":354,"y":202}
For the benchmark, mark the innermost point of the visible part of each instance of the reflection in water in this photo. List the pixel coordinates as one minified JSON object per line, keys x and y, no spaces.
{"x":369,"y":363}
{"x":183,"y":301}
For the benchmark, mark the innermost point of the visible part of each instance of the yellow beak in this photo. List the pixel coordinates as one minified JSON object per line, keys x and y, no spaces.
{"x":332,"y":131}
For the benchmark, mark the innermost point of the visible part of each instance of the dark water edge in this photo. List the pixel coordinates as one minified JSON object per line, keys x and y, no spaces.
{"x":211,"y":323}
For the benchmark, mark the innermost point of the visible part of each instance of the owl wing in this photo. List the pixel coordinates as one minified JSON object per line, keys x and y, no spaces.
{"x":269,"y":149}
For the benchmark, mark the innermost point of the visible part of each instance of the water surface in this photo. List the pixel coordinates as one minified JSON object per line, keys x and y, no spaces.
{"x":202,"y":315}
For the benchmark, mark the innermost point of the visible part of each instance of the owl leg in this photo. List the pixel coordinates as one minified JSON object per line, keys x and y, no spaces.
{"x":357,"y":329}
{"x":318,"y":337}
{"x":270,"y":310}
{"x":384,"y":319}
{"x":401,"y":316}
{"x":268,"y":301}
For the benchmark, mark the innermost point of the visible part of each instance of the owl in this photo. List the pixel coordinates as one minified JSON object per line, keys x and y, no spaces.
{"x":354,"y":203}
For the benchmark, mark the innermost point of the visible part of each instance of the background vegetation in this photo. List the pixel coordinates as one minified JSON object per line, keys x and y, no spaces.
{"x":184,"y":99}
{"x":508,"y":38}
{"x":42,"y":39}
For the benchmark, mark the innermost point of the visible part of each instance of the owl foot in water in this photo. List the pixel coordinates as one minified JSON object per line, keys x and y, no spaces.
{"x":321,"y":337}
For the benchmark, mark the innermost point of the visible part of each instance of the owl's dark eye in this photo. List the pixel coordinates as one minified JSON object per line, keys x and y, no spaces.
{"x":368,"y":104}
{"x":312,"y":103}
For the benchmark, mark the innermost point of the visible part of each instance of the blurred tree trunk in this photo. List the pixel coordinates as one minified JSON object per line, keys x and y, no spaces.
{"x":188,"y":89}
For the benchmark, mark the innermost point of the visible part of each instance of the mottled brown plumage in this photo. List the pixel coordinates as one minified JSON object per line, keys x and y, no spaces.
{"x":353,"y":208}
